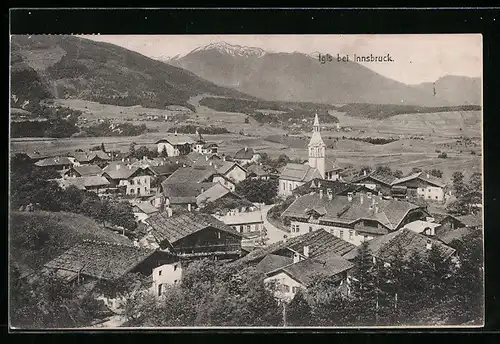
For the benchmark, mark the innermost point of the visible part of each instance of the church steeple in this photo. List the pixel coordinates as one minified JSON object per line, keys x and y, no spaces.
{"x":317,"y":148}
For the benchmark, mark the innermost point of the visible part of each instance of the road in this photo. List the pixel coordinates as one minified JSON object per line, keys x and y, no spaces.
{"x":273,"y":233}
{"x":114,"y":321}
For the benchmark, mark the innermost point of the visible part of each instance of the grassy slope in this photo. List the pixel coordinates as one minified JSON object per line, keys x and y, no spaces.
{"x":63,"y":231}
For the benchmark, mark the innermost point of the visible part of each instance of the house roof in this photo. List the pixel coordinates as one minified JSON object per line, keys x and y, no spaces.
{"x":146,"y":207}
{"x":299,"y":172}
{"x":37,"y":155}
{"x":180,"y":226}
{"x":330,"y":166}
{"x":455,"y":234}
{"x":54,"y":161}
{"x":88,"y":170}
{"x":163,"y":170}
{"x":272,"y":262}
{"x":336,"y":187}
{"x":98,"y":259}
{"x":387,"y":246}
{"x":120,"y":171}
{"x":212,"y":194}
{"x":244,"y":154}
{"x":89,"y":156}
{"x":224,"y":167}
{"x":241,"y":218}
{"x":177,"y":140}
{"x":84,"y":182}
{"x":196,"y":174}
{"x":470,"y":220}
{"x":419,"y":226}
{"x":424,"y":177}
{"x":389,"y":213}
{"x":209,"y":144}
{"x":327,"y":264}
{"x":319,"y":242}
{"x":383,"y":178}
{"x":183,"y":193}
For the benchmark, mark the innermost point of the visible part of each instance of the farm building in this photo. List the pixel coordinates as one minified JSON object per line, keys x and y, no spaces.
{"x":182,"y":195}
{"x":83,"y":171}
{"x":96,"y":184}
{"x":98,"y":158}
{"x":246,"y":156}
{"x":354,"y":218}
{"x":58,"y":163}
{"x":195,"y":235}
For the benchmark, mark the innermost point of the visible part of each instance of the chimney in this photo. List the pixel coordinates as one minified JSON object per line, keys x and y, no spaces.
{"x":428,"y":176}
{"x":306,"y":251}
{"x":169,"y":211}
{"x":429,"y":244}
{"x":136,"y":243}
{"x":330,"y":194}
{"x":177,"y":162}
{"x":320,"y":193}
{"x":364,"y":172}
{"x":296,"y":258}
{"x":189,"y":206}
{"x":223,"y":158}
{"x":369,"y":195}
{"x":143,"y":158}
{"x":246,"y":148}
{"x":376,"y":207}
{"x":361,"y":198}
{"x":183,"y":165}
{"x":206,"y":157}
{"x":349,"y":196}
{"x":210,"y":163}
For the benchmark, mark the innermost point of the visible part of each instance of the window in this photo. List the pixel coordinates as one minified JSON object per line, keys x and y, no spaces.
{"x":286,"y":288}
{"x":159,"y":289}
{"x":132,"y":182}
{"x":159,"y":273}
{"x":341,"y":234}
{"x":295,"y":290}
{"x":176,"y":281}
{"x":351,"y":234}
{"x":248,"y":228}
{"x":310,"y":229}
{"x":175,"y":267}
{"x":290,"y":187}
{"x":138,"y":181}
{"x":218,"y":235}
{"x":429,"y":196}
{"x":132,"y":190}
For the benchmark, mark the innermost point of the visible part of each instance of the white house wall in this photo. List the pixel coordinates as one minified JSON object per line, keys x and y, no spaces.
{"x":281,"y":280}
{"x":287,"y":186}
{"x":350,"y":235}
{"x":166,"y":275}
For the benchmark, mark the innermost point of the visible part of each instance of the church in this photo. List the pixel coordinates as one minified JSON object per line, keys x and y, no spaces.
{"x":318,"y":166}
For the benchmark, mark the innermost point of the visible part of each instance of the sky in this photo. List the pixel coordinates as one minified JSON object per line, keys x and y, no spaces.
{"x":417,"y":58}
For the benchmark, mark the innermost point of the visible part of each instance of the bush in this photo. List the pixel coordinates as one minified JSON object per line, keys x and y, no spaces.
{"x":443,"y":155}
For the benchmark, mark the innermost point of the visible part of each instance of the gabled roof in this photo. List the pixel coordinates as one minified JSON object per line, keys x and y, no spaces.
{"x":177,"y":140}
{"x":145,"y":207}
{"x":389,"y":213}
{"x":258,"y":170}
{"x":328,"y":264}
{"x":209,"y":144}
{"x":98,"y":259}
{"x":89,"y":156}
{"x":330,"y":166}
{"x":383,"y":178}
{"x":272,"y":262}
{"x":387,"y":246}
{"x":244,"y":154}
{"x":163,"y":170}
{"x":319,"y":242}
{"x":224,"y":167}
{"x":54,"y":161}
{"x":84,"y":182}
{"x":336,"y":187}
{"x":455,"y":234}
{"x":424,"y":177}
{"x":37,"y":155}
{"x":390,"y":180}
{"x":212,"y":194}
{"x":299,"y":172}
{"x":87,"y":170}
{"x":420,"y":226}
{"x":121,"y":171}
{"x":176,"y":227}
{"x":184,"y":193}
{"x":470,"y":220}
{"x":196,"y":174}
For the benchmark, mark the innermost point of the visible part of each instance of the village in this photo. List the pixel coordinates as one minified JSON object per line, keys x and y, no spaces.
{"x":188,"y":206}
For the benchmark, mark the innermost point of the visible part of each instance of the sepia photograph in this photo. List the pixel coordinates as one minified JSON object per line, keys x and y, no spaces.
{"x":246,"y":181}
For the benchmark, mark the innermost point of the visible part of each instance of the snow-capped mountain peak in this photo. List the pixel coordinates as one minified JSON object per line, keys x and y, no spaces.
{"x":233,"y":50}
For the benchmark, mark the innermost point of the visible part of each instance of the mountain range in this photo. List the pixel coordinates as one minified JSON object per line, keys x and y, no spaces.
{"x":73,"y":67}
{"x":298,"y":76}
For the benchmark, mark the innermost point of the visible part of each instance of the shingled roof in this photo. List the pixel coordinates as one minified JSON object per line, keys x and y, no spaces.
{"x":196,"y":174}
{"x":390,"y":180}
{"x":98,"y":259}
{"x":174,"y":228}
{"x":89,"y":156}
{"x":84,"y":182}
{"x":120,"y":171}
{"x":319,"y":242}
{"x":212,"y":194}
{"x":299,"y":172}
{"x":272,"y":262}
{"x":328,"y":264}
{"x":386,"y":246}
{"x":87,"y":170}
{"x":336,"y":187}
{"x":183,"y":193}
{"x":54,"y":161}
{"x":389,"y":213}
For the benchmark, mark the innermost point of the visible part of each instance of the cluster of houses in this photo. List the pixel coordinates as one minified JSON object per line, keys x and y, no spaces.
{"x":194,"y":213}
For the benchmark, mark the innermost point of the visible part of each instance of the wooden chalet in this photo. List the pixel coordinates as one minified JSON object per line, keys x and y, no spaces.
{"x":195,"y":235}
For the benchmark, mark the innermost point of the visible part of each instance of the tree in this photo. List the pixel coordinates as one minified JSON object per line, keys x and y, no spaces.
{"x":443,"y":155}
{"x":383,"y":170}
{"x":164,"y":153}
{"x":131,"y":149}
{"x":364,"y":168}
{"x":398,"y":174}
{"x":435,"y":172}
{"x":476,"y":182}
{"x":247,"y":120}
{"x":260,"y":191}
{"x":416,"y":170}
{"x":102,"y":147}
{"x":298,"y":312}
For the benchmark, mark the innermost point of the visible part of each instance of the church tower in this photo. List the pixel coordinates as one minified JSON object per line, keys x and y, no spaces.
{"x":317,"y":149}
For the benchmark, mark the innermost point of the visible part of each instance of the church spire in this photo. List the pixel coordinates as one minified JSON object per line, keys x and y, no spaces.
{"x":317,"y":148}
{"x":316,"y":121}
